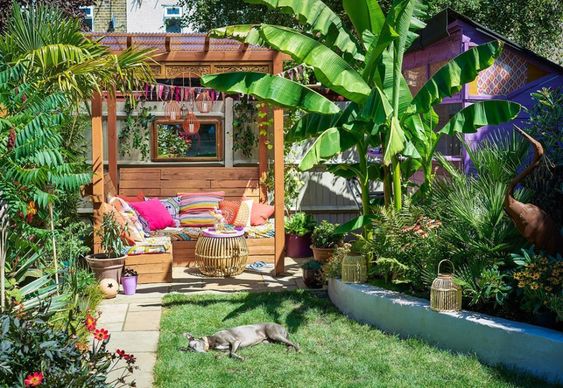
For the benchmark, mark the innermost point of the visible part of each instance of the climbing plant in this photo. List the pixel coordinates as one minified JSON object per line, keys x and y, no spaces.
{"x":245,"y":116}
{"x":135,"y":132}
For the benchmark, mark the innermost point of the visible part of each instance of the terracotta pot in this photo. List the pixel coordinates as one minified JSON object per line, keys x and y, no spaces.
{"x":298,"y":246}
{"x":313,"y":278}
{"x":322,"y":255}
{"x":106,"y":268}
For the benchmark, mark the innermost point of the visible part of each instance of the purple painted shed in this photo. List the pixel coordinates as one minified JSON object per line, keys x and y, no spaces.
{"x":516,"y":74}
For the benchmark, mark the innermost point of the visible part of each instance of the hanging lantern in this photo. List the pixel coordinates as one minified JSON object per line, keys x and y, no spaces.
{"x":191,"y":124}
{"x":183,"y":111}
{"x":203,"y":102}
{"x":444,"y":294}
{"x":172,"y":110}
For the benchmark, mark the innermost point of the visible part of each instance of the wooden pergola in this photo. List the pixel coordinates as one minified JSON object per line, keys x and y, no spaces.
{"x":195,"y":54}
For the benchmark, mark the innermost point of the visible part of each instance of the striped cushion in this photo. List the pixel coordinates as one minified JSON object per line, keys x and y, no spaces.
{"x":200,"y":202}
{"x":204,"y":218}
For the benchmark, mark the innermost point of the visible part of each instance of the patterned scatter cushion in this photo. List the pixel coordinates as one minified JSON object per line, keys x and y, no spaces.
{"x":243,"y":214}
{"x":157,"y":244}
{"x":200,"y":202}
{"x":172,"y":205}
{"x":260,"y":213}
{"x":261,"y":231}
{"x":133,"y":224}
{"x":229,"y":210}
{"x":204,"y":218}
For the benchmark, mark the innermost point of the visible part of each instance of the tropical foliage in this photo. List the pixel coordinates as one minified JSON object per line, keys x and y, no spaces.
{"x":365,"y":68}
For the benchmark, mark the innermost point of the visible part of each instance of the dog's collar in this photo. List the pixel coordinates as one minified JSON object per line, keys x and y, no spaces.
{"x":205,"y":344}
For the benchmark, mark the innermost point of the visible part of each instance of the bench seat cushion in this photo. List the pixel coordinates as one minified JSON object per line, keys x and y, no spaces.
{"x":153,"y":244}
{"x":192,"y":233}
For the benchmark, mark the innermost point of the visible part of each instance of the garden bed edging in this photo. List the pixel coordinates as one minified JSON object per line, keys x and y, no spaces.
{"x":516,"y":345}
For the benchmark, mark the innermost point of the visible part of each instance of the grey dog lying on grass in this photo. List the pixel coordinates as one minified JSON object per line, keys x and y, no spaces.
{"x":240,"y":337}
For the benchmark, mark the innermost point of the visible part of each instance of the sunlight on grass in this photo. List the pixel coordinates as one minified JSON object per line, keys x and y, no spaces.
{"x":335,"y":351}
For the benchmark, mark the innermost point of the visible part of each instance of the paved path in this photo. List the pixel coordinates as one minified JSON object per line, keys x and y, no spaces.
{"x":134,"y":321}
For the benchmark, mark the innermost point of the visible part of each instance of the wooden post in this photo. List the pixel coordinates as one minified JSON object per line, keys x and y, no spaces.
{"x":97,"y":166}
{"x":262,"y":154}
{"x":279,"y":190}
{"x":112,"y":140}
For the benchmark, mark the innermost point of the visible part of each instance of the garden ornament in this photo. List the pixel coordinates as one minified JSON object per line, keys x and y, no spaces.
{"x":533,"y":223}
{"x":240,"y":337}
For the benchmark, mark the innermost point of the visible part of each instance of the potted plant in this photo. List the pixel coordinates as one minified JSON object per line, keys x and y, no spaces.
{"x":313,"y":275}
{"x":298,"y":228}
{"x":129,"y":281}
{"x":110,"y":262}
{"x":324,"y":241}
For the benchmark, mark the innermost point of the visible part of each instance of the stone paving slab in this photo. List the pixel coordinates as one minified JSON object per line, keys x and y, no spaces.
{"x":142,"y":320}
{"x":112,"y":314}
{"x":134,"y":341}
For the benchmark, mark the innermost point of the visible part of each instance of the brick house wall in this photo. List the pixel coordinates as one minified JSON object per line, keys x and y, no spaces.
{"x":103,"y":12}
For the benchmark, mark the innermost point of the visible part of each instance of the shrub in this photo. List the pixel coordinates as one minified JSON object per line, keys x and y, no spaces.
{"x":324,"y":237}
{"x":333,"y":269}
{"x":31,"y":348}
{"x":539,"y":279}
{"x":299,"y":224}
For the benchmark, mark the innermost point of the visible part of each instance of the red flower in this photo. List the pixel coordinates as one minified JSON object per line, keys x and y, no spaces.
{"x":33,"y":380}
{"x":101,"y":334}
{"x":120,"y":353}
{"x":90,"y":323}
{"x":130,"y":358}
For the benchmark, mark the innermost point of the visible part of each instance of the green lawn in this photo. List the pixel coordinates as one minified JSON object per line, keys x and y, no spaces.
{"x":335,"y":351}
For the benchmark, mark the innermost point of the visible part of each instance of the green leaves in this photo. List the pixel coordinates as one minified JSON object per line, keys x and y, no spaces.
{"x":482,"y":113}
{"x":365,"y":15}
{"x":325,"y":146}
{"x":394,"y":141}
{"x":451,"y":77}
{"x":270,"y":88}
{"x":320,"y":19}
{"x":330,"y":69}
{"x":355,"y":224}
{"x":246,"y":33}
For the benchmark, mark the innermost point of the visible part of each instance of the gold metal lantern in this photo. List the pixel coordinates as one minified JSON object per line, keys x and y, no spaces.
{"x":444,"y":294}
{"x":354,"y":269}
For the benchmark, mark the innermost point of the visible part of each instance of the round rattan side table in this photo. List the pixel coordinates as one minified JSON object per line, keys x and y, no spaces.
{"x":221,"y":254}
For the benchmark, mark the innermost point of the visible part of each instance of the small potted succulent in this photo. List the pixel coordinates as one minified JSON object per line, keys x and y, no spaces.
{"x":324,"y":241}
{"x":298,"y":230}
{"x":129,"y":281}
{"x":109,"y":263}
{"x":313,"y":275}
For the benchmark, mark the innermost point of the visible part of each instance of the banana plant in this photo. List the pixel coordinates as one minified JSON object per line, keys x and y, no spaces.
{"x":365,"y":67}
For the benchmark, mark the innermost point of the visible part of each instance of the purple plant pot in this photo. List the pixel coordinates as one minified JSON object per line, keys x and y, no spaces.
{"x":129,"y":284}
{"x":298,"y":246}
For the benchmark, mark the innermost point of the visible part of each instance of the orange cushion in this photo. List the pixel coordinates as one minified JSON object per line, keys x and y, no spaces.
{"x":229,"y":210}
{"x":109,"y":209}
{"x":140,"y":197}
{"x":260,"y":213}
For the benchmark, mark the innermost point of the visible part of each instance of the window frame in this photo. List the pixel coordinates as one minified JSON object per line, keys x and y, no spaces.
{"x":167,"y":17}
{"x":219,"y":140}
{"x":89,"y":15}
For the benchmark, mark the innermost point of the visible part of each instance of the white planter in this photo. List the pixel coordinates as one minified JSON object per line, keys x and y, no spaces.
{"x":521,"y":346}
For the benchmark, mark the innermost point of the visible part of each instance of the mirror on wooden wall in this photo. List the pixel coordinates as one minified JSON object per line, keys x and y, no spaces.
{"x":174,"y":140}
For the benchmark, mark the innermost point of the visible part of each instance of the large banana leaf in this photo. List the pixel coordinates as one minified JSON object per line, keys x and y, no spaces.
{"x":376,"y":48}
{"x":326,"y":145}
{"x":270,"y":88}
{"x":319,"y":18}
{"x":394,"y":141}
{"x":330,"y":69}
{"x":312,"y":124}
{"x":245,"y":33}
{"x":452,"y":76}
{"x":365,"y":15}
{"x":384,"y":80}
{"x":492,"y":112}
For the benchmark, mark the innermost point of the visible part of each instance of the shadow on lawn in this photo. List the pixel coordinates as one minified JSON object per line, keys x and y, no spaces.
{"x":271,"y":302}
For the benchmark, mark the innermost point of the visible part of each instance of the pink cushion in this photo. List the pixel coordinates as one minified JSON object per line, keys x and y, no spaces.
{"x":154,"y":213}
{"x":260,"y":213}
